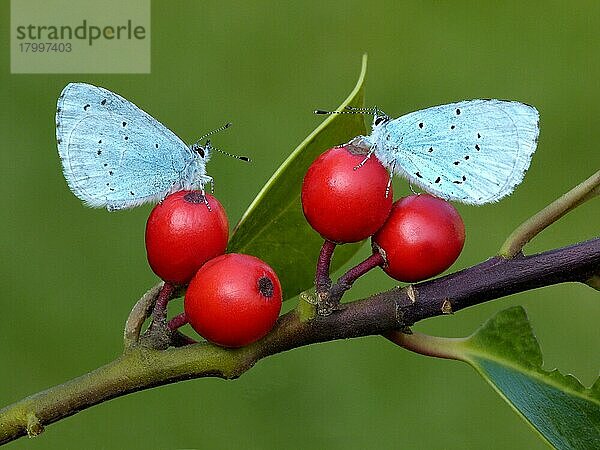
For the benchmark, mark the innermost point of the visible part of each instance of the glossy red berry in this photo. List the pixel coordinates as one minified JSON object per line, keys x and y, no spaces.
{"x":344,"y":203}
{"x":421,"y":238}
{"x":233,"y":300}
{"x":182,"y":233}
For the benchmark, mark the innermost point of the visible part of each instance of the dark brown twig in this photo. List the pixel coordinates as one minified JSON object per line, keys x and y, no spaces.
{"x":142,"y":367}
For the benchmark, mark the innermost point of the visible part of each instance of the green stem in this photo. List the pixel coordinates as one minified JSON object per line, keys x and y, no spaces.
{"x":550,"y":214}
{"x":137,"y":369}
{"x":307,"y":306}
{"x":424,"y":344}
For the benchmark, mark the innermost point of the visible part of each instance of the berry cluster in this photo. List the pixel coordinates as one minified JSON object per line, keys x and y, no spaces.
{"x":232,"y":299}
{"x":347,"y":197}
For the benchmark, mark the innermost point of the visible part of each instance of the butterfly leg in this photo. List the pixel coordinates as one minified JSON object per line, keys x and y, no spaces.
{"x":410,"y":186}
{"x":389,"y":183}
{"x":360,"y":142}
{"x":211,"y":180}
{"x":205,"y":199}
{"x":364,"y":161}
{"x":165,"y":195}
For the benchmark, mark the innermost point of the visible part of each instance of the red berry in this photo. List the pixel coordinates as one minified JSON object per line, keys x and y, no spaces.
{"x":342,"y":203}
{"x":233,"y":300}
{"x":182,"y":233}
{"x":422,"y":237}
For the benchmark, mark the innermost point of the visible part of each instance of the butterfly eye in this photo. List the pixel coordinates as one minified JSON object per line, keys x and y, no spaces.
{"x":380,"y":120}
{"x":200,"y":151}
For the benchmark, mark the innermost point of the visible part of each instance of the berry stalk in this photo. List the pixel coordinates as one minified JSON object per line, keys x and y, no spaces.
{"x":177,"y":322}
{"x":322,"y":279}
{"x":159,"y":314}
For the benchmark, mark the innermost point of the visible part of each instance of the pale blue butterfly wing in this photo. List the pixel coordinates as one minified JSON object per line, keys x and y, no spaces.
{"x":473,"y":152}
{"x":115,"y":155}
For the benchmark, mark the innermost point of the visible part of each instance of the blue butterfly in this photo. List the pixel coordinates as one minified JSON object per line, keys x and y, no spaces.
{"x":474,"y":151}
{"x":114,"y":155}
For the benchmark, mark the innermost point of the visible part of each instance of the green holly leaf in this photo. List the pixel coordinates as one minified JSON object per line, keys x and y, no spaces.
{"x":506,"y":353}
{"x":273,"y":227}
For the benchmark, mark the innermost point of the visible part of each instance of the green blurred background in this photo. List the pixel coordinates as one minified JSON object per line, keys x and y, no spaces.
{"x":71,"y":274}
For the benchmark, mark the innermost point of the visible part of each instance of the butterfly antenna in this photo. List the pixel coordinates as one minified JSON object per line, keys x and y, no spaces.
{"x":373,"y":110}
{"x":349,"y":110}
{"x":224,"y":127}
{"x":364,"y":110}
{"x":241,"y":158}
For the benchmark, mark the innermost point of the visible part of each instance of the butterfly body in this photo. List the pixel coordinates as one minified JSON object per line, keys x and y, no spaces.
{"x":473,"y":152}
{"x":114,"y":155}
